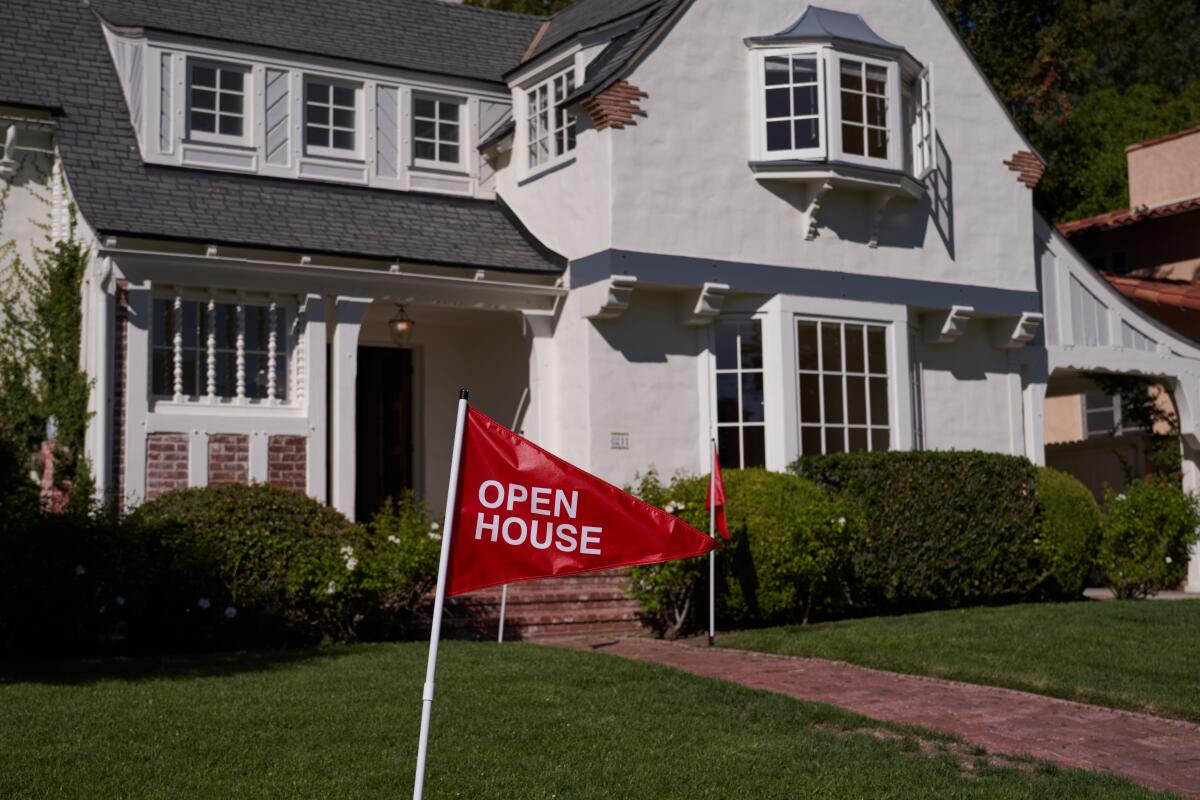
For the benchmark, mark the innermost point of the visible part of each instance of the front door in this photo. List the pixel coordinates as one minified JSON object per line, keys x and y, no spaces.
{"x":384,"y":428}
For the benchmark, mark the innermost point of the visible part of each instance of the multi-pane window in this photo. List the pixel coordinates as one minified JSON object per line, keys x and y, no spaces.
{"x":741,"y":422}
{"x":216,"y":100}
{"x":864,"y":105}
{"x":205,"y":348}
{"x":1102,"y":416}
{"x":437,"y":130}
{"x":793,"y":102}
{"x":550,"y":128}
{"x":330,"y":117}
{"x":843,"y":386}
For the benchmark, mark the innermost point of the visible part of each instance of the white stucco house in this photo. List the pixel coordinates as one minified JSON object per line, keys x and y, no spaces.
{"x":805,"y":228}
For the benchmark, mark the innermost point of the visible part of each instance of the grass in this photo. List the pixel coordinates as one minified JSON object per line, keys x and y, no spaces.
{"x":510,"y":721}
{"x":1133,"y":655}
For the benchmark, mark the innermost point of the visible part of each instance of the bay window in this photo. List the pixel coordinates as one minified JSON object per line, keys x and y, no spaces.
{"x":219,"y":350}
{"x":741,"y":418}
{"x":216,"y":102}
{"x":864,"y":108}
{"x":793,"y":104}
{"x":842,"y":369}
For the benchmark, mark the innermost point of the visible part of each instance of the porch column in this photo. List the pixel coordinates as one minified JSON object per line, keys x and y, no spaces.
{"x":312,"y":382}
{"x":347,"y":317}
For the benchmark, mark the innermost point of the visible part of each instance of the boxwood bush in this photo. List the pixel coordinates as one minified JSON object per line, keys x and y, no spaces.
{"x":1068,"y":532}
{"x":1147,"y":534}
{"x":942,"y":528}
{"x":790,"y":541}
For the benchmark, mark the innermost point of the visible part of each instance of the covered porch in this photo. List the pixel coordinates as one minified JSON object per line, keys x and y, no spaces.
{"x":224,"y":365}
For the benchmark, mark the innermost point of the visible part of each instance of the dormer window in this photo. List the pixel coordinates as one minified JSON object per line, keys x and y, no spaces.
{"x":437,"y":132}
{"x":216,"y":102}
{"x":550,"y":128}
{"x":794,"y":105}
{"x":330,"y":118}
{"x":863,"y":89}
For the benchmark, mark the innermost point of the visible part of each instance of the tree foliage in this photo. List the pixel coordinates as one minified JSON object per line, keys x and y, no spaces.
{"x":537,"y":7}
{"x":40,"y":375}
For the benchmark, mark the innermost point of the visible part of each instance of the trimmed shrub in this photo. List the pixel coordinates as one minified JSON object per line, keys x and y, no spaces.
{"x":1147,"y":533}
{"x":942,"y":528}
{"x":255,"y":565}
{"x":1069,"y":532}
{"x":790,"y":542}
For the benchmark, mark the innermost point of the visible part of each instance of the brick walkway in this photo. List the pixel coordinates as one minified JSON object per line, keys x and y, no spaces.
{"x":1154,"y":752}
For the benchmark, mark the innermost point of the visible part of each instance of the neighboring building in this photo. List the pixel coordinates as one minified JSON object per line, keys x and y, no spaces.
{"x":805,"y":229}
{"x":1150,"y":253}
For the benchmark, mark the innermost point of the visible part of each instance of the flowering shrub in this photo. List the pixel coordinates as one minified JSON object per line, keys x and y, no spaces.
{"x":790,"y":542}
{"x":1147,"y":533}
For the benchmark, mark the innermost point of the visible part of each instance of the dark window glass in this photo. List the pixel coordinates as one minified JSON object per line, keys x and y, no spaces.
{"x":806,"y":345}
{"x":835,"y":440}
{"x":808,"y":133}
{"x":752,"y":345}
{"x":858,"y":439}
{"x":879,"y":401}
{"x":779,"y":135}
{"x":810,"y":440}
{"x":727,"y":357}
{"x":755,"y":447}
{"x":831,"y":347}
{"x":752,"y":397}
{"x":877,"y":350}
{"x":729,"y":445}
{"x":810,"y":398}
{"x":776,"y":70}
{"x":856,"y":400}
{"x":833,"y":398}
{"x":880,"y":440}
{"x":727,"y":398}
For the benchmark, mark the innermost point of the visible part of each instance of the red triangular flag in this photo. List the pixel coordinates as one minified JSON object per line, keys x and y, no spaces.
{"x":524,"y":513}
{"x":716,"y":487}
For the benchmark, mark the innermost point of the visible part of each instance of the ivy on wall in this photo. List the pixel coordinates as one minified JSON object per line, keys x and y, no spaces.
{"x":41,"y":382}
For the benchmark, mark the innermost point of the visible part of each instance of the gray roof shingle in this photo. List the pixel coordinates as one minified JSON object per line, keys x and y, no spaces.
{"x":53,"y":55}
{"x":425,"y":35}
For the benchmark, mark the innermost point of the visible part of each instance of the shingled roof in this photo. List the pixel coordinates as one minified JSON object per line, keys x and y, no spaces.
{"x":53,"y":55}
{"x":426,"y":35}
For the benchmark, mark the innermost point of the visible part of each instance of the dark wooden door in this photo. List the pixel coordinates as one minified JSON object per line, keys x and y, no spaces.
{"x":384,"y":427}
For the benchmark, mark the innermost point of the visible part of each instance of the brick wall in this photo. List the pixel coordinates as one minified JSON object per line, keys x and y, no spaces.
{"x":228,"y":458}
{"x":166,"y":463}
{"x":287,"y":462}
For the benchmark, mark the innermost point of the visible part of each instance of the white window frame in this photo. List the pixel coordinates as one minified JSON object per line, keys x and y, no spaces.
{"x":278,"y":310}
{"x":247,"y":93}
{"x":895,"y":148}
{"x":1119,"y":429}
{"x":463,"y":130}
{"x":824,"y":371}
{"x":760,"y":104}
{"x":548,"y":129}
{"x":322,"y":151}
{"x":924,"y":154}
{"x":783,"y":392}
{"x":739,"y":371}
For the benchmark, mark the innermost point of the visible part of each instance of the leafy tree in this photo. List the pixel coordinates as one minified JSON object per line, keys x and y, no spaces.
{"x":40,"y":375}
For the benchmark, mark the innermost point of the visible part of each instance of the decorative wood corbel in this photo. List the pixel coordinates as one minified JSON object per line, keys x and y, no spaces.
{"x":706,"y":306}
{"x":1009,"y":333}
{"x":945,"y":327}
{"x":879,"y":201}
{"x":814,"y":191}
{"x":614,"y":298}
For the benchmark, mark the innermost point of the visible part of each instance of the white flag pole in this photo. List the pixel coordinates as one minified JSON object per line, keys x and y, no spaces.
{"x":712,"y":554}
{"x":435,"y":630}
{"x":503,"y":604}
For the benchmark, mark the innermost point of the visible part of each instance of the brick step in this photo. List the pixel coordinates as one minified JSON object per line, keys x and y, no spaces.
{"x":549,"y":606}
{"x":549,"y":594}
{"x":575,"y":629}
{"x":550,"y":616}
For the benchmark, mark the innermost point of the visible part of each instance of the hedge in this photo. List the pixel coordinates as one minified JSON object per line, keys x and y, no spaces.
{"x":1147,"y":534}
{"x":1068,"y":532}
{"x":942,"y":528}
{"x":217,"y":567}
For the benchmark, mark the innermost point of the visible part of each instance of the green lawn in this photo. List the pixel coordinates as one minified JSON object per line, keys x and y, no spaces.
{"x":510,"y":721}
{"x":1135,"y":655}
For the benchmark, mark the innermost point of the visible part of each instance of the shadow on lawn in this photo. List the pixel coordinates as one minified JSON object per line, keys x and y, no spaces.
{"x":83,"y":671}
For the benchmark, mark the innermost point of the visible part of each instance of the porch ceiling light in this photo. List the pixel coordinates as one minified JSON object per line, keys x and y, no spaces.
{"x":401,"y":326}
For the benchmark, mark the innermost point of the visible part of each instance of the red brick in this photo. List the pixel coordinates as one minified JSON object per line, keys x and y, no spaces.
{"x":287,"y":462}
{"x":166,"y":463}
{"x":228,"y":458}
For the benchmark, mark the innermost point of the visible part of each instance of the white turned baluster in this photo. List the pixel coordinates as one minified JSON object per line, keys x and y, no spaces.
{"x":301,"y":340}
{"x":272,"y":348}
{"x":177,"y":342}
{"x":210,"y":347}
{"x":241,"y":351}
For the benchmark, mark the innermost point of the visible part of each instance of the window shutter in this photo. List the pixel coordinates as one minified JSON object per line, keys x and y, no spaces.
{"x":924,"y":159}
